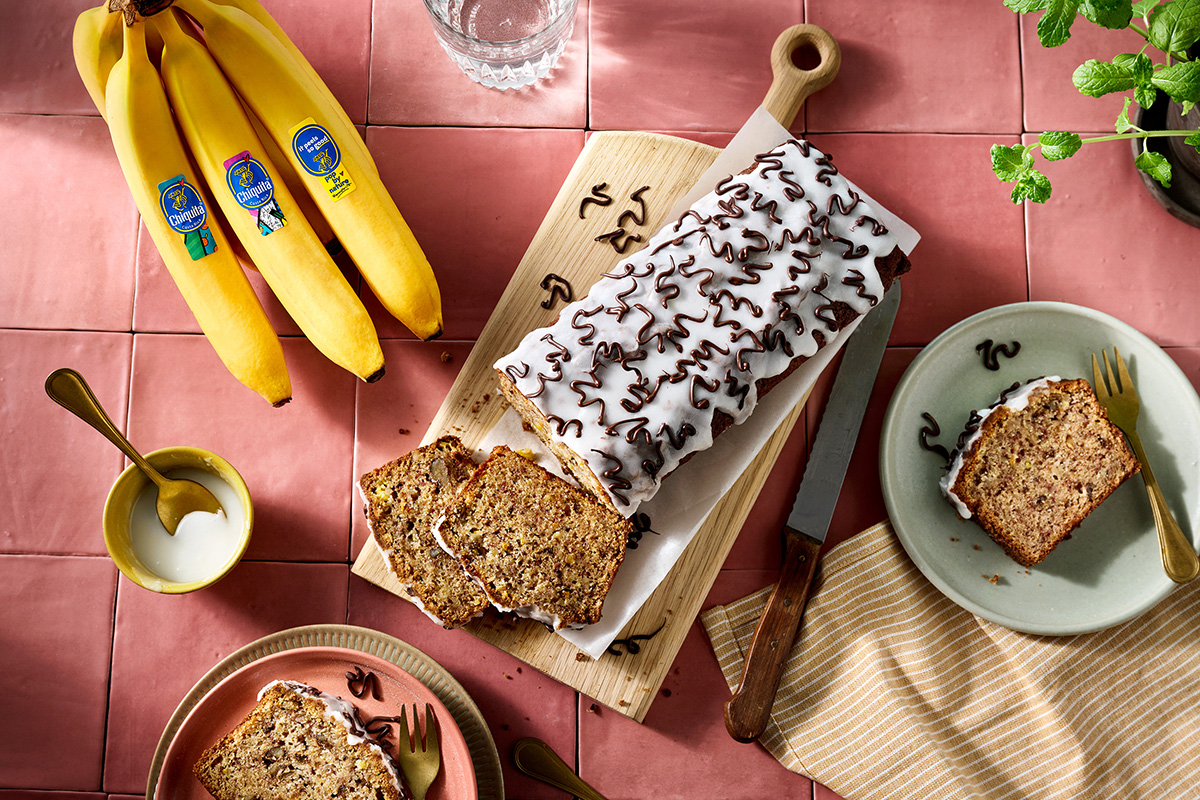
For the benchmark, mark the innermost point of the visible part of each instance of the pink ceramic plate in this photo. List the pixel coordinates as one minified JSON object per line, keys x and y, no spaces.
{"x":222,"y":708}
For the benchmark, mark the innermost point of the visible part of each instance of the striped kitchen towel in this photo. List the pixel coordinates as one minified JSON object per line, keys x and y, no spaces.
{"x":894,"y":691}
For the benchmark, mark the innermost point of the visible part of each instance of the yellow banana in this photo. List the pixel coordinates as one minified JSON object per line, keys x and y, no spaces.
{"x":97,"y":46}
{"x":349,"y":193}
{"x":255,"y":9}
{"x":215,"y":288}
{"x":259,"y":207}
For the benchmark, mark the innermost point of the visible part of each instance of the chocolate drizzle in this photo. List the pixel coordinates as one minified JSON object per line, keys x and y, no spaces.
{"x":636,"y":217}
{"x":641,"y":526}
{"x":991,"y":352}
{"x":613,"y":237}
{"x":932,"y":429}
{"x":631,"y":643}
{"x":359,"y":683}
{"x":597,"y":196}
{"x":558,"y":287}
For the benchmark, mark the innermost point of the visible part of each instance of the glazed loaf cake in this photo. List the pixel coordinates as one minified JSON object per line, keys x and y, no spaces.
{"x":299,"y":742}
{"x":680,"y":340}
{"x":1034,"y":464}
{"x":538,"y":546}
{"x":402,"y":499}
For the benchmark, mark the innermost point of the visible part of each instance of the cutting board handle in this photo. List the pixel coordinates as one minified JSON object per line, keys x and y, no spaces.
{"x":792,"y":85}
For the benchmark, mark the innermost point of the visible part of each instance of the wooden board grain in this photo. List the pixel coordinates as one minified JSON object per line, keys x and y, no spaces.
{"x":566,"y":245}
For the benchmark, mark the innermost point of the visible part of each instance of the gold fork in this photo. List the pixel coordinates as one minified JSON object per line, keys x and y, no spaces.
{"x":1121,"y":403}
{"x":420,"y":766}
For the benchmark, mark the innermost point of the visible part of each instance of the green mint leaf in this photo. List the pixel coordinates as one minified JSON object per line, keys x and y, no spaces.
{"x":1123,"y":123}
{"x":1194,"y":140}
{"x":1145,"y":96}
{"x":1112,"y":14}
{"x":1142,"y":8}
{"x":1096,"y":78}
{"x":1025,"y":6}
{"x":1181,"y":81}
{"x":1138,"y":64}
{"x":1054,"y":28}
{"x":1057,"y":145}
{"x":1174,"y":25}
{"x":1155,"y":165}
{"x":1010,"y":162}
{"x":1033,"y":185}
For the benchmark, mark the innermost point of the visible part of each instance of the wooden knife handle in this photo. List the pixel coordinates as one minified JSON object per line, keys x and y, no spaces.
{"x":791,"y":84}
{"x":746,"y":713}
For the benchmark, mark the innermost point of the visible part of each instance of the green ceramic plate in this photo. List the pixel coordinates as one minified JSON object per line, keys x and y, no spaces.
{"x":1110,"y":569}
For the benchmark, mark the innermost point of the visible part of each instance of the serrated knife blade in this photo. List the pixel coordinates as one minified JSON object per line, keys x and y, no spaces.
{"x":746,"y":713}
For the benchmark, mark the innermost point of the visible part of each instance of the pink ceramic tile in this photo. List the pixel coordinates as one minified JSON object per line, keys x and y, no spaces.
{"x":31,"y":794}
{"x":683,"y":750}
{"x":296,"y":459}
{"x":1188,"y":359}
{"x":971,"y":255}
{"x":165,"y":643}
{"x":516,"y":700}
{"x":759,"y":545}
{"x":53,"y":446}
{"x":414,"y":82}
{"x":1147,"y":280}
{"x":860,"y":503}
{"x":69,"y":236}
{"x":822,"y":792}
{"x":57,"y":635}
{"x":392,"y":415}
{"x":948,"y":67}
{"x":474,"y":199}
{"x":672,"y":65}
{"x":36,"y":59}
{"x":1051,"y":100}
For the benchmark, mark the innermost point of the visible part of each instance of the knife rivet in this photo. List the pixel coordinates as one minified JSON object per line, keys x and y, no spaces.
{"x":787,"y":601}
{"x":803,"y":558}
{"x":774,"y":644}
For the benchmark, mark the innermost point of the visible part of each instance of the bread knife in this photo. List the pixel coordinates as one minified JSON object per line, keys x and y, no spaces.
{"x":746,"y":713}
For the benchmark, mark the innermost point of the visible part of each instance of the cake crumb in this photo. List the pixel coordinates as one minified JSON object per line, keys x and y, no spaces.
{"x":954,"y":539}
{"x":666,"y":692}
{"x":580,"y":657}
{"x":628,"y":677}
{"x":593,"y":709}
{"x":622,"y":703}
{"x":504,"y":727}
{"x":446,"y":357}
{"x":404,"y":431}
{"x":975,"y":546}
{"x":507,"y":677}
{"x":518,"y":670}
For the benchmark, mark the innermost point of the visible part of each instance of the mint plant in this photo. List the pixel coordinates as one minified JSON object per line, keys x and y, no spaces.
{"x":1170,"y":27}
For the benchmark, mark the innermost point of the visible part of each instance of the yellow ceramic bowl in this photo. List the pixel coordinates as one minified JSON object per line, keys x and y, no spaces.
{"x":132,"y":482}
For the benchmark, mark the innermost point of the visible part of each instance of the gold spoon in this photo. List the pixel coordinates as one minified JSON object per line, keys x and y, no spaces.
{"x":176,"y":498}
{"x":535,"y":758}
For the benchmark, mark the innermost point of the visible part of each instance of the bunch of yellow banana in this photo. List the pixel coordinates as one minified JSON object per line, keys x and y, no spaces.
{"x":285,"y":166}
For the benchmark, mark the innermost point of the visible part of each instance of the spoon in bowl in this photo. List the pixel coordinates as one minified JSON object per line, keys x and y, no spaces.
{"x":176,"y":498}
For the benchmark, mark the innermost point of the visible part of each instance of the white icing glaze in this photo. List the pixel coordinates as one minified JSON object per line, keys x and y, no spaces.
{"x":1017,"y":401}
{"x":342,"y":712}
{"x":731,"y":293}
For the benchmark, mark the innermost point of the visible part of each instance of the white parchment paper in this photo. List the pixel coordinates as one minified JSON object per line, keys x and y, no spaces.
{"x":689,"y":494}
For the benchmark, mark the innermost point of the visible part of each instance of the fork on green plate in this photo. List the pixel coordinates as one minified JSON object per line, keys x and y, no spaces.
{"x":1120,"y":400}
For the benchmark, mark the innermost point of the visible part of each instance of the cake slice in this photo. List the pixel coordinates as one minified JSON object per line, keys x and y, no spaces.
{"x":538,"y":546}
{"x":1034,"y":464}
{"x":298,"y":742}
{"x":402,"y":500}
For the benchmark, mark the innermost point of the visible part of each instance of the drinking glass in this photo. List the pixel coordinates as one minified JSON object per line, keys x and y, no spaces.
{"x":503,"y":44}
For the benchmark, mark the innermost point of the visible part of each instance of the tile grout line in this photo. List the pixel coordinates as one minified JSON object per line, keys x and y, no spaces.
{"x":1020,"y":140}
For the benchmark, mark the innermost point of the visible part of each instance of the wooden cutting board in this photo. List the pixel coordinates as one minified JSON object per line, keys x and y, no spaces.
{"x":566,"y":245}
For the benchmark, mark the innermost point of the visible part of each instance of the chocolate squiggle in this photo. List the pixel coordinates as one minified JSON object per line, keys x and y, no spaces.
{"x":359,"y":683}
{"x":631,"y":643}
{"x":558,"y":287}
{"x":597,"y":196}
{"x":933,"y":429}
{"x":991,"y":352}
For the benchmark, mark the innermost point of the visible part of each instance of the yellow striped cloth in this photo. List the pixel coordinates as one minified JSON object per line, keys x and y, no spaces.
{"x":894,"y":691}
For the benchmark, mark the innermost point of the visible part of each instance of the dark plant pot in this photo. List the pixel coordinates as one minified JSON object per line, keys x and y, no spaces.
{"x":1182,"y":198}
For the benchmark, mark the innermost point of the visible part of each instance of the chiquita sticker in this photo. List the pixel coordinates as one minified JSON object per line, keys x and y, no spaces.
{"x":254,"y":191}
{"x":185,"y":212}
{"x":320,"y":156}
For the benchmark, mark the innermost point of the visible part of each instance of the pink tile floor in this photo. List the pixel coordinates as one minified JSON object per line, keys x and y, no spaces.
{"x":95,"y":663}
